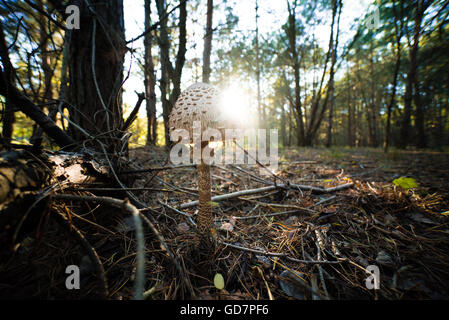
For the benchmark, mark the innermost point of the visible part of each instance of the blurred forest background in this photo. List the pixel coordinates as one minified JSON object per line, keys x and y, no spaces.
{"x":378,"y":81}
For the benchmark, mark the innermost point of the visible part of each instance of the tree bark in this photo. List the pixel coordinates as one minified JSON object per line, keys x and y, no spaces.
{"x":397,"y":42}
{"x":168,"y":72}
{"x":315,"y":117}
{"x":150,"y":79}
{"x":208,"y":42}
{"x":291,"y":33}
{"x":332,"y":75}
{"x":97,"y":53}
{"x":372,"y":105}
{"x":420,"y":7}
{"x":7,"y":76}
{"x":260,"y":112}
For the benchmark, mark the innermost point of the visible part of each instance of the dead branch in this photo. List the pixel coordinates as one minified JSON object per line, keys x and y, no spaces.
{"x":278,"y":254}
{"x":265,"y":189}
{"x":133,"y":115}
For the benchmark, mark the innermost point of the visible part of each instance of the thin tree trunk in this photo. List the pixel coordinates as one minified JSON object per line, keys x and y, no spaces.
{"x":47,"y":70}
{"x":372,"y":104}
{"x":208,"y":42}
{"x":259,"y":104}
{"x":331,"y":80}
{"x":168,"y":72}
{"x":350,"y":112}
{"x":8,"y":74}
{"x":315,"y":118}
{"x":283,"y":125}
{"x":291,"y":33}
{"x":398,"y":36}
{"x":150,"y":79}
{"x":420,"y":8}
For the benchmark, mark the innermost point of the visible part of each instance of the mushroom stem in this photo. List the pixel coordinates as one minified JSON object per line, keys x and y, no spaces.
{"x":205,"y":219}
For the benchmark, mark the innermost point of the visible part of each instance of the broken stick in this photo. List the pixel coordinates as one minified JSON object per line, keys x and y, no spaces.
{"x":269,"y":188}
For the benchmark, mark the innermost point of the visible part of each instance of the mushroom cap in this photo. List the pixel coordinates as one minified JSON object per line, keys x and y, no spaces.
{"x":199,"y":102}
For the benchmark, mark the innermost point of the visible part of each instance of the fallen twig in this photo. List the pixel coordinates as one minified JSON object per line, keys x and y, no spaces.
{"x":281,"y":255}
{"x":265,"y":189}
{"x":188,"y":216}
{"x":158,"y":169}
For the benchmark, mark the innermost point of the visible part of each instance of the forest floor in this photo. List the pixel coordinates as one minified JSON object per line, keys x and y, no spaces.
{"x":283,"y":243}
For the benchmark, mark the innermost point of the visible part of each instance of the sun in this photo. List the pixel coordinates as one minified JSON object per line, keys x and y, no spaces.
{"x":234,"y":104}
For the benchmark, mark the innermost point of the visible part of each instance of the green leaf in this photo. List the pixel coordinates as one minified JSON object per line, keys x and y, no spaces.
{"x":219,"y":281}
{"x":405,"y":183}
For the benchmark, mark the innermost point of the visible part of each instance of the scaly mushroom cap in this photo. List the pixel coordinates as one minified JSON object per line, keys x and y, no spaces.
{"x":199,"y":102}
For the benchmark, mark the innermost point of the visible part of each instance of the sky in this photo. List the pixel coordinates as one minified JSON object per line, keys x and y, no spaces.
{"x":272,"y":15}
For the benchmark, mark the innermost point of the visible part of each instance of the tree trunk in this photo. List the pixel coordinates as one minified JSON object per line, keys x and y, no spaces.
{"x":291,"y":33}
{"x":150,"y":79}
{"x":372,"y":104}
{"x":315,"y":117}
{"x":350,"y":112}
{"x":47,"y":70}
{"x":97,"y":53}
{"x":8,"y":118}
{"x":168,"y":72}
{"x":420,"y":8}
{"x":397,"y":37}
{"x":283,"y":126}
{"x":260,"y":112}
{"x":331,"y":80}
{"x":208,"y":42}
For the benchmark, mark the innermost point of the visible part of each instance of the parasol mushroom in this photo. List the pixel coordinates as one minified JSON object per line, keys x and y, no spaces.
{"x":199,"y":103}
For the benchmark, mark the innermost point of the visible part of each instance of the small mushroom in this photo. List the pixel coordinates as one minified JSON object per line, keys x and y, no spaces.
{"x":203,"y":108}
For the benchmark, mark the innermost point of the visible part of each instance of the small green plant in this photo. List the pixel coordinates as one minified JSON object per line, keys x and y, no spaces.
{"x":405,"y":183}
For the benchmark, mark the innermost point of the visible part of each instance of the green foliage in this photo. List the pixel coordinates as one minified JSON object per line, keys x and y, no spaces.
{"x":405,"y":183}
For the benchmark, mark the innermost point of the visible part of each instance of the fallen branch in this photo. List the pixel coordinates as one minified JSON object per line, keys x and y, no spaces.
{"x":265,"y":189}
{"x":188,"y":216}
{"x":158,"y":169}
{"x":280,"y":255}
{"x":281,"y":213}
